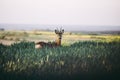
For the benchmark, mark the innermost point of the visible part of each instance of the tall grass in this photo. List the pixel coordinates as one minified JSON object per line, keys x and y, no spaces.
{"x":21,"y":61}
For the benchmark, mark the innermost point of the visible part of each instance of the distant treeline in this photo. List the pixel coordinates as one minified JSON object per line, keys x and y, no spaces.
{"x":97,"y":32}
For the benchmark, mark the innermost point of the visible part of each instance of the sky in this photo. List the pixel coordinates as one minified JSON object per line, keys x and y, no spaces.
{"x":61,"y":12}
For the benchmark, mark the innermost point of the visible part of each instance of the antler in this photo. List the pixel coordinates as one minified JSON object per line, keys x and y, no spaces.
{"x":61,"y":30}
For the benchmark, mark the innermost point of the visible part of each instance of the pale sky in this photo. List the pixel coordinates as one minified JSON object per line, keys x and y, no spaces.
{"x":64,"y":12}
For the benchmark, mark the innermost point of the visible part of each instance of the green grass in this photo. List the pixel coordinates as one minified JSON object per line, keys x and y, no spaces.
{"x":81,"y":60}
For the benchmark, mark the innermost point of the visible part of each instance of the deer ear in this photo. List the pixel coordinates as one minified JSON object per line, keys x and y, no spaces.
{"x":55,"y":31}
{"x":62,"y":30}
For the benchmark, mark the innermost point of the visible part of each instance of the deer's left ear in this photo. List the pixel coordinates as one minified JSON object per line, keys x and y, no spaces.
{"x":62,"y":30}
{"x":55,"y":31}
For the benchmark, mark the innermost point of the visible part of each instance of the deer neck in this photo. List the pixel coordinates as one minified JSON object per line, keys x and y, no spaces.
{"x":58,"y":42}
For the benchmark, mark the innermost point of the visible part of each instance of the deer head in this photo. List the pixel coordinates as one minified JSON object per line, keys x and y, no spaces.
{"x":59,"y":32}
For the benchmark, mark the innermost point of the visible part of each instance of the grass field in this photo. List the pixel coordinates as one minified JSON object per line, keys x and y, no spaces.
{"x":10,"y":37}
{"x":80,"y":57}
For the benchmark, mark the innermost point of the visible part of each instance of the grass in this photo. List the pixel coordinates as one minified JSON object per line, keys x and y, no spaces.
{"x":95,"y":59}
{"x":82,"y":60}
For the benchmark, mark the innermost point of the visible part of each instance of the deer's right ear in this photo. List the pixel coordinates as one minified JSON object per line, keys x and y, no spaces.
{"x":55,"y":31}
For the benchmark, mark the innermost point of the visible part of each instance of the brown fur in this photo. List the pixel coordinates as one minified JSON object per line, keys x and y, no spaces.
{"x":53,"y":44}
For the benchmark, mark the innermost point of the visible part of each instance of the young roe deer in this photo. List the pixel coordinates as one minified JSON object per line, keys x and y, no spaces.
{"x":57,"y":42}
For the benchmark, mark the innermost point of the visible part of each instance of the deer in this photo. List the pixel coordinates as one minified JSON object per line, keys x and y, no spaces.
{"x":57,"y":42}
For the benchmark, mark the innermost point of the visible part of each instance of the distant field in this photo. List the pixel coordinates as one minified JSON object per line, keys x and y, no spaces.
{"x":10,"y":37}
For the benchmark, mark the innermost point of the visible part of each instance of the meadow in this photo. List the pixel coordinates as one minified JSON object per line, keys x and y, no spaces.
{"x":94,"y":57}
